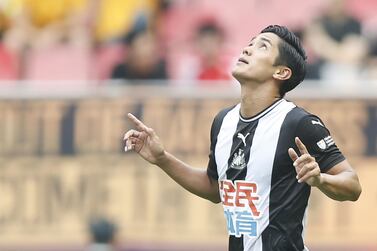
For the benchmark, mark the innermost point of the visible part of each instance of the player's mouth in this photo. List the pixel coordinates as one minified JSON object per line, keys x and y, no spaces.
{"x":242,"y":60}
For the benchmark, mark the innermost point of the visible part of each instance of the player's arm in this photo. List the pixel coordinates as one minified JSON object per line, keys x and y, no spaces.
{"x":340,"y":182}
{"x":147,"y":144}
{"x":194,"y":180}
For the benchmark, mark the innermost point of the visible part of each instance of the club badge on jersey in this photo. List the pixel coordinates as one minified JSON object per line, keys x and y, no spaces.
{"x":238,"y":161}
{"x":239,"y":200}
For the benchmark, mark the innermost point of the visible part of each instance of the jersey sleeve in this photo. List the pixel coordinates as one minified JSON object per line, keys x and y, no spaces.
{"x":317,"y":139}
{"x":212,"y":167}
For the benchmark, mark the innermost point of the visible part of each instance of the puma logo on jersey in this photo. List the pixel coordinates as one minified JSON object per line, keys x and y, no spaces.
{"x":243,"y":138}
{"x":314,"y":122}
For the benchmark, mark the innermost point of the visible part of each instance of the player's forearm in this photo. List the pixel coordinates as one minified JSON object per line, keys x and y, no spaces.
{"x":341,"y":187}
{"x":194,"y":180}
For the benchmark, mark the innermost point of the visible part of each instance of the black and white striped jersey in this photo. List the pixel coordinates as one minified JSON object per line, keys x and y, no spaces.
{"x":263,"y":203}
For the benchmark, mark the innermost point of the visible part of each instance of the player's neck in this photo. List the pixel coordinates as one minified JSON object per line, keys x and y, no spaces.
{"x":256,"y":98}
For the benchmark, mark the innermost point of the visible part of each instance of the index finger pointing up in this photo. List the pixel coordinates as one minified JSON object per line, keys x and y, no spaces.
{"x":138,"y":123}
{"x":301,"y":146}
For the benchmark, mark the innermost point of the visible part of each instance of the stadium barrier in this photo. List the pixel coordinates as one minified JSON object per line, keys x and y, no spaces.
{"x":62,"y":162}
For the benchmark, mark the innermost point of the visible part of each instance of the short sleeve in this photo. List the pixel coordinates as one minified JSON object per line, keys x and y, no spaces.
{"x":212,"y":167}
{"x":320,"y":144}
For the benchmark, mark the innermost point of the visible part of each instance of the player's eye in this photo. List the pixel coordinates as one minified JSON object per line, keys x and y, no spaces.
{"x":263,"y":46}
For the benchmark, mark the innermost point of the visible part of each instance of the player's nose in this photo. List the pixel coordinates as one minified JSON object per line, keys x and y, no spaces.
{"x":247,"y":50}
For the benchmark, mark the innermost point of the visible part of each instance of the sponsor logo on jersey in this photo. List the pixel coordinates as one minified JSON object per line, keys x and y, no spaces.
{"x":325,"y":143}
{"x":315,"y":122}
{"x":239,"y":200}
{"x":238,"y":161}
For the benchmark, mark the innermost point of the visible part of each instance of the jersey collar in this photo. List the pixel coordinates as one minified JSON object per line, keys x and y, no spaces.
{"x":262,"y":113}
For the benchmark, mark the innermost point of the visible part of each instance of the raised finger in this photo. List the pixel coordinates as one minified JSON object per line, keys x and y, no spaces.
{"x":301,"y":146}
{"x":138,"y":123}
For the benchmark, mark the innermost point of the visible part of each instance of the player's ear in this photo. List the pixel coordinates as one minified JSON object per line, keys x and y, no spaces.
{"x":282,"y":73}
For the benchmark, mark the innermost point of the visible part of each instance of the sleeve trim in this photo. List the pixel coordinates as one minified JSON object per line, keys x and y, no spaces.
{"x":331,"y":164}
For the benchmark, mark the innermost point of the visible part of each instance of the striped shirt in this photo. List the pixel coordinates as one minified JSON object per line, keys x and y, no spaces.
{"x":263,"y":203}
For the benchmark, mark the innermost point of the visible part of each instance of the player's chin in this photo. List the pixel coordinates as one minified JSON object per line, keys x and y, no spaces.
{"x":239,"y":73}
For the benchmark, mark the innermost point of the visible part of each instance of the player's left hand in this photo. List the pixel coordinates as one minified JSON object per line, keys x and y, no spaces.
{"x":307,"y":168}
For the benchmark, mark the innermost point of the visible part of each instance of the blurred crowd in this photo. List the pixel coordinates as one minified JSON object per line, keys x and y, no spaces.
{"x":177,"y":39}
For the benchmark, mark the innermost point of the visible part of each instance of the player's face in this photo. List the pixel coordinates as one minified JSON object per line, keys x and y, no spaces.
{"x":257,"y":60}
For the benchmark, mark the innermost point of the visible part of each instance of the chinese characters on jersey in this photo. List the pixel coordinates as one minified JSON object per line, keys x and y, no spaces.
{"x":239,"y":201}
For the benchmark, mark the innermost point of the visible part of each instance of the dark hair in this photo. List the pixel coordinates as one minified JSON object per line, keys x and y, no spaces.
{"x":291,"y":54}
{"x":209,"y":28}
{"x":102,"y":230}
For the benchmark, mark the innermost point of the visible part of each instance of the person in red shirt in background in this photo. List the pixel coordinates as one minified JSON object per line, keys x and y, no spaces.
{"x":205,"y":57}
{"x":209,"y":43}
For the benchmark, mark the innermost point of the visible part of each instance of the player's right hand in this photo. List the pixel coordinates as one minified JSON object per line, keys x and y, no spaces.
{"x":144,"y":141}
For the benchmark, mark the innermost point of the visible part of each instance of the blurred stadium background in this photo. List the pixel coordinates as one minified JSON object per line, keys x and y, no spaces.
{"x":70,"y":70}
